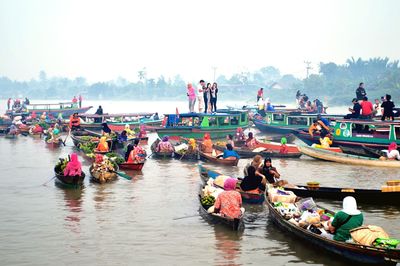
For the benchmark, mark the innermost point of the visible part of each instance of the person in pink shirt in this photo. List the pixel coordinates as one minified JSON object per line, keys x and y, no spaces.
{"x":366,"y":108}
{"x":229,"y":202}
{"x":74,"y":167}
{"x":192,"y":97}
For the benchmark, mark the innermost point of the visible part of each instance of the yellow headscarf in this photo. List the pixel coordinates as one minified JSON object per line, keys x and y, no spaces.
{"x":192,"y":143}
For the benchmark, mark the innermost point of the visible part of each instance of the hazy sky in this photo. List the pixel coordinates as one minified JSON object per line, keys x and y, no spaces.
{"x":102,"y":40}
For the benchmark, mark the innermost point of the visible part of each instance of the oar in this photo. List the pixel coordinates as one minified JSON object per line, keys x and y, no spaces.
{"x":48,"y":181}
{"x":69,"y":132}
{"x":150,"y":155}
{"x":184,"y":217}
{"x":121,"y":174}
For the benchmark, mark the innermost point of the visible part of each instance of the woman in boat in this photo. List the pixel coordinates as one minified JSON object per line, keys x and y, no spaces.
{"x":229,"y":140}
{"x":105,"y":129}
{"x":36,"y":129}
{"x":393,"y":153}
{"x":129,"y":148}
{"x":229,"y":152}
{"x":137,"y":153}
{"x":123,"y":137}
{"x":128,"y":130}
{"x":12,"y":130}
{"x":74,"y":167}
{"x":207,"y":145}
{"x":252,"y":181}
{"x":325,"y":141}
{"x":192,"y":146}
{"x":165,"y":146}
{"x":142,"y":131}
{"x":74,"y":122}
{"x":256,"y":163}
{"x":345,"y":220}
{"x":251,"y":142}
{"x":268,"y":172}
{"x":239,"y":136}
{"x":103,"y":145}
{"x":229,"y":202}
{"x":284,"y":148}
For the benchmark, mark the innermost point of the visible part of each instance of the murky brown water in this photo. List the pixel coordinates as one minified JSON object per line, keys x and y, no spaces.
{"x":132,"y":222}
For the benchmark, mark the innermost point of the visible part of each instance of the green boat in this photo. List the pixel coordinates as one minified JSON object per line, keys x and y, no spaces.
{"x":359,"y":133}
{"x":195,"y":125}
{"x":285,"y":122}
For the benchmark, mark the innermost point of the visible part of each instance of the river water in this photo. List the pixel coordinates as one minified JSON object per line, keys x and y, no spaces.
{"x":134,"y":222}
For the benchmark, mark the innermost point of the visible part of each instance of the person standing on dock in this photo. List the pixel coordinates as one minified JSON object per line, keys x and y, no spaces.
{"x":80,"y":101}
{"x":213,"y":97}
{"x":8,"y":103}
{"x":200,"y":97}
{"x":74,"y":102}
{"x":360,"y":92}
{"x":191,"y":96}
{"x":260,"y":94}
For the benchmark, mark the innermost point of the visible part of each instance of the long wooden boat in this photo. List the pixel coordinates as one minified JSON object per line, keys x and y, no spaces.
{"x":77,"y":135}
{"x":195,"y":125}
{"x":131,"y":166}
{"x":375,"y":153}
{"x":358,"y":133}
{"x":95,"y":179}
{"x":285,"y":122}
{"x":346,"y":158}
{"x":210,"y":158}
{"x":362,"y":195}
{"x":52,"y":109}
{"x":234,"y":224}
{"x":158,"y":154}
{"x":247,"y":197}
{"x":247,"y":153}
{"x":69,"y":181}
{"x":352,"y":252}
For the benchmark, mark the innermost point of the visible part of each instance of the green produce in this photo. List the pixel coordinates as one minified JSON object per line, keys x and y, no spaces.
{"x":208,"y":200}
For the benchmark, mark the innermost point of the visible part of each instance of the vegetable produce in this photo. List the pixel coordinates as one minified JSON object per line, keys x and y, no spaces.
{"x":208,"y":201}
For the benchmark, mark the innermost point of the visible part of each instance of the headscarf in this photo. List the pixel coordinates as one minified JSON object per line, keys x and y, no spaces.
{"x":142,"y":128}
{"x":136,"y":142}
{"x":283,"y":140}
{"x":207,"y":136}
{"x":128,"y":151}
{"x":105,"y":128}
{"x":392,"y":146}
{"x":56,"y":131}
{"x":127,"y":127}
{"x":350,"y":206}
{"x":73,"y":166}
{"x":257,"y":160}
{"x":33,"y":115}
{"x":192,"y":143}
{"x":239,"y":130}
{"x":165,"y":139}
{"x":251,"y":171}
{"x":265,"y":162}
{"x":230,"y":183}
{"x":99,"y":158}
{"x":250,"y":136}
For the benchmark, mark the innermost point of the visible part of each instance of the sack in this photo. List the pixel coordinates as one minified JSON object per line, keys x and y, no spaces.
{"x":366,"y":235}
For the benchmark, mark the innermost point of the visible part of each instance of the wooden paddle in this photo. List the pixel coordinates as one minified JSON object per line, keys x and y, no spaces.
{"x":69,"y":132}
{"x":48,"y":181}
{"x":184,"y":217}
{"x":121,"y":174}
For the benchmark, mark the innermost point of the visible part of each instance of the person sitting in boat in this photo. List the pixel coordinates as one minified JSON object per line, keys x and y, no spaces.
{"x":318,"y":127}
{"x":207,"y":145}
{"x":256,"y":163}
{"x":129,"y":131}
{"x":123,"y":137}
{"x":239,"y":136}
{"x":346,"y":220}
{"x":105,"y":130}
{"x":229,"y":202}
{"x":165,"y":146}
{"x":99,"y":111}
{"x":142,"y":131}
{"x":355,"y":111}
{"x":229,"y":140}
{"x":252,"y":181}
{"x":12,"y":130}
{"x":36,"y":129}
{"x":229,"y":152}
{"x":103,"y":145}
{"x":156,"y":117}
{"x":43,"y":117}
{"x":393,"y":153}
{"x":74,"y":167}
{"x":268,"y":172}
{"x":251,"y":142}
{"x":192,"y":146}
{"x":74,"y":122}
{"x":136,"y":153}
{"x":325,"y":141}
{"x":284,"y":148}
{"x":269,"y":107}
{"x":33,"y":116}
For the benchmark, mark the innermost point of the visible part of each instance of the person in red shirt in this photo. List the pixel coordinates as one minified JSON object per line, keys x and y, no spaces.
{"x":366,"y":108}
{"x":260,"y":94}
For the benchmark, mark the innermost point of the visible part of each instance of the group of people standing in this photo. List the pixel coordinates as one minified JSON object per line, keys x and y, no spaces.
{"x":206,"y":97}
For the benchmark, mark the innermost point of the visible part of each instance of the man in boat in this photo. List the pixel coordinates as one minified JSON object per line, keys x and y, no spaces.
{"x":99,"y":111}
{"x":366,"y":108}
{"x":74,"y":122}
{"x":8,"y":103}
{"x":346,"y":220}
{"x":319,"y":127}
{"x":387,"y":106}
{"x":229,"y":152}
{"x":360,"y":92}
{"x":156,"y":117}
{"x":74,"y":167}
{"x":355,"y":111}
{"x":229,"y":202}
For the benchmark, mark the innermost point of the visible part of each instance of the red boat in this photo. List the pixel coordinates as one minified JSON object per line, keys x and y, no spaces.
{"x":131,"y":166}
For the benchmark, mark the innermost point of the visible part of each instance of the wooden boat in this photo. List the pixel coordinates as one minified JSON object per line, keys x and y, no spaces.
{"x":77,"y":139}
{"x":52,"y":109}
{"x":131,"y":166}
{"x":53,"y":144}
{"x":362,"y":195}
{"x":234,"y":224}
{"x":158,"y":154}
{"x":195,"y":125}
{"x":247,"y":197}
{"x":350,"y":251}
{"x":187,"y":156}
{"x":358,"y":133}
{"x":285,"y":122}
{"x":375,"y":153}
{"x":69,"y":181}
{"x":94,"y":176}
{"x":228,"y":161}
{"x":247,"y":153}
{"x":355,"y":151}
{"x":346,"y":158}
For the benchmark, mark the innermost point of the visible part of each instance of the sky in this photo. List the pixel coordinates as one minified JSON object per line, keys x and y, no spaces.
{"x":103,"y":40}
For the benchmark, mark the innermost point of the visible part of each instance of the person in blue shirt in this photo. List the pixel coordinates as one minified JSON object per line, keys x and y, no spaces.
{"x":229,"y":152}
{"x":324,"y":120}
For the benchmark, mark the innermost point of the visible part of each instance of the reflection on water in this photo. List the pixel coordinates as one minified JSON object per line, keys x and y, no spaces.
{"x":228,"y":246}
{"x":73,"y":203}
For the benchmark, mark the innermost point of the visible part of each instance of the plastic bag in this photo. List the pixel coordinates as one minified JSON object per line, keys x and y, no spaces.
{"x":306,"y":204}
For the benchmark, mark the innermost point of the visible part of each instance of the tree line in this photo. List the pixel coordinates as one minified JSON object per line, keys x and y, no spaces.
{"x":334,"y":83}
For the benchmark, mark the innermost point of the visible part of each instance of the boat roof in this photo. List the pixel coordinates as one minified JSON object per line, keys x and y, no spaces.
{"x":115,"y":115}
{"x":368,"y":122}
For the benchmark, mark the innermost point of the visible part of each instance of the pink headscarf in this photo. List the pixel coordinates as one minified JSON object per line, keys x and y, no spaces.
{"x":230,"y":184}
{"x":392,"y":146}
{"x":74,"y":167}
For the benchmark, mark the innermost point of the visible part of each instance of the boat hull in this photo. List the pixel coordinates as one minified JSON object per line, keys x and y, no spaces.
{"x":131,"y":166}
{"x":175,"y":133}
{"x":210,"y":158}
{"x":69,"y":181}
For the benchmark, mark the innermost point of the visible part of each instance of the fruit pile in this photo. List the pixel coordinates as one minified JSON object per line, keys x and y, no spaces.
{"x":61,"y":164}
{"x":208,"y":201}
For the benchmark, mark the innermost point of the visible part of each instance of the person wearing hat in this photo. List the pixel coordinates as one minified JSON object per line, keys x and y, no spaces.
{"x":355,"y":111}
{"x":346,"y":219}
